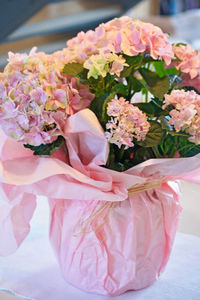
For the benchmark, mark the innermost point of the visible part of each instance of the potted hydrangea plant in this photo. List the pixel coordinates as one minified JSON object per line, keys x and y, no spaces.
{"x":104,"y":128}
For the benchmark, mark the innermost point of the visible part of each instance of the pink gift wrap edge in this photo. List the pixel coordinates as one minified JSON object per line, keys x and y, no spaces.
{"x":142,"y":226}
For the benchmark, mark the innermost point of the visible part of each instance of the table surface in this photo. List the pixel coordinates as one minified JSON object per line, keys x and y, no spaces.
{"x":34,"y":273}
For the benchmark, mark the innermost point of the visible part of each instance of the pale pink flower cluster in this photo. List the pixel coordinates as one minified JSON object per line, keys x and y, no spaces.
{"x":127,"y":122}
{"x":186,"y":115}
{"x":122,"y":35}
{"x":101,"y":64}
{"x":35,"y":98}
{"x":189,"y":60}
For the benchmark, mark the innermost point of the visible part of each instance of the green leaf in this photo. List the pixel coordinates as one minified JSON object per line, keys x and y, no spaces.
{"x":174,"y":133}
{"x":180,"y":44}
{"x":104,"y":117}
{"x":168,"y":143}
{"x":153,"y":137}
{"x":156,"y":85}
{"x":99,"y":104}
{"x":143,"y":154}
{"x":136,"y":85}
{"x":83,"y":77}
{"x":147,"y":108}
{"x":150,"y":77}
{"x":151,"y":109}
{"x":162,"y":71}
{"x":46,"y":149}
{"x":133,"y":61}
{"x":121,"y":89}
{"x":126,"y":72}
{"x":112,"y":162}
{"x":192,"y":151}
{"x":73,"y":69}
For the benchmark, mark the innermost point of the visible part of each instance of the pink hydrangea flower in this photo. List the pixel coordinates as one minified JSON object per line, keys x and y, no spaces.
{"x":102,"y":64}
{"x":189,"y":60}
{"x":186,"y":113}
{"x":36,"y":98}
{"x":156,"y":42}
{"x":122,"y":35}
{"x":127,"y":122}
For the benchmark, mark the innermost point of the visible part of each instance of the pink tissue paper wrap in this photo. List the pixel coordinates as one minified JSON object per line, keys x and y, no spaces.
{"x":107,"y":239}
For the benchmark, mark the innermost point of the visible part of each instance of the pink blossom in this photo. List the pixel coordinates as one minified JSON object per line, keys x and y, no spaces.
{"x":189,"y":60}
{"x":122,"y":35}
{"x":186,"y":113}
{"x":127,"y":122}
{"x":155,"y":41}
{"x":102,"y":64}
{"x":79,"y":95}
{"x":36,"y":98}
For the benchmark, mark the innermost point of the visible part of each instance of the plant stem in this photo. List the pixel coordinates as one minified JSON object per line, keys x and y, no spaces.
{"x":156,"y":152}
{"x":146,"y":96}
{"x":109,"y":156}
{"x":174,"y":149}
{"x":121,"y":153}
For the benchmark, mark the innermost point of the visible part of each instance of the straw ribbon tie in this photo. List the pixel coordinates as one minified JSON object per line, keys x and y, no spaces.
{"x":148,"y":185}
{"x":104,"y":209}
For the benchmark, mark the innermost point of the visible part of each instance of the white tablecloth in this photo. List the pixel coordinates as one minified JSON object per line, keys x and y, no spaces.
{"x":33,"y":271}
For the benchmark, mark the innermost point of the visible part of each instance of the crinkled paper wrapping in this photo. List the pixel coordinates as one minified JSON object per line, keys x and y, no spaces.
{"x":108,"y":238}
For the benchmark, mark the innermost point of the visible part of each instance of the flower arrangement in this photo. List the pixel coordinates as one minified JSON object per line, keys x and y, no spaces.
{"x":127,"y":72}
{"x":112,"y":121}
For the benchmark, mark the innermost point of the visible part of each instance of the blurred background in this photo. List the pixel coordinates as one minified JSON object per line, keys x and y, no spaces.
{"x":49,"y":23}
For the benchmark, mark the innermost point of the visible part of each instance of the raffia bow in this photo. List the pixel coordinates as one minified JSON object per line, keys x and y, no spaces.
{"x":101,"y":212}
{"x":148,"y":185}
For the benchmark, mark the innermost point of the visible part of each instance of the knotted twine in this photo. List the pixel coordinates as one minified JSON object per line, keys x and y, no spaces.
{"x":101,"y":213}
